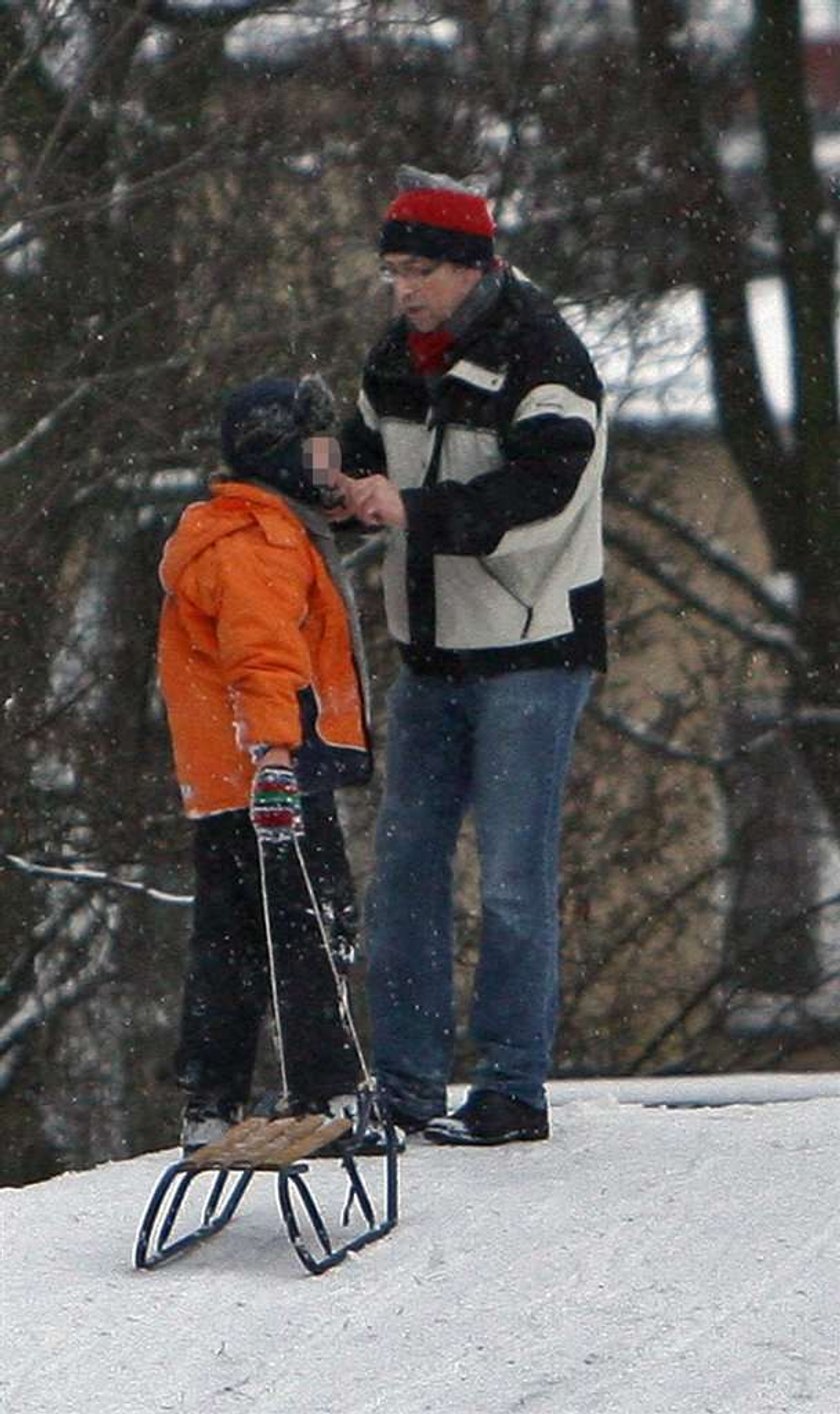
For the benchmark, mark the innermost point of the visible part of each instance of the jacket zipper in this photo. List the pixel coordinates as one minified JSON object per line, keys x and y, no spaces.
{"x":433,"y":467}
{"x":529,"y":608}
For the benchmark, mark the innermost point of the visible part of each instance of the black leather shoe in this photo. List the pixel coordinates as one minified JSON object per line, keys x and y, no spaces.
{"x":406,"y":1121}
{"x":489,"y":1117}
{"x":368,"y":1136}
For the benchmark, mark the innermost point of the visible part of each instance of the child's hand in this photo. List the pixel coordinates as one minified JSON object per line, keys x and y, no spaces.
{"x":276,"y":812}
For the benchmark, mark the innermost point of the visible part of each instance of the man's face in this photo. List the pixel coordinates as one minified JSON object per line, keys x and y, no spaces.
{"x":427,"y":292}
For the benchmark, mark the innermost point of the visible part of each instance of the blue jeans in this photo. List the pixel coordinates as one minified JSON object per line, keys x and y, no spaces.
{"x":499,"y":746}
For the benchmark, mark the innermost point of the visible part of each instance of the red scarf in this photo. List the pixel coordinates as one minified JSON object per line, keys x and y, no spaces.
{"x":428,"y":351}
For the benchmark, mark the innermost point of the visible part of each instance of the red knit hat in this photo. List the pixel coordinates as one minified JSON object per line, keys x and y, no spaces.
{"x":441,"y":222}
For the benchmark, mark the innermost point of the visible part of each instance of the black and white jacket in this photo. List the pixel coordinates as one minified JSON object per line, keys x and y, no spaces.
{"x":500,"y":462}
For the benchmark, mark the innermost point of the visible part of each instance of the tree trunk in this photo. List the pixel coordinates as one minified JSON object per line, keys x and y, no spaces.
{"x":792,"y":475}
{"x":806,"y":245}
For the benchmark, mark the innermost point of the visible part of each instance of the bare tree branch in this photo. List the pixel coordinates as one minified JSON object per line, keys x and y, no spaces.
{"x":772,"y":640}
{"x":721,"y":559}
{"x":43,"y":427}
{"x":76,"y":875}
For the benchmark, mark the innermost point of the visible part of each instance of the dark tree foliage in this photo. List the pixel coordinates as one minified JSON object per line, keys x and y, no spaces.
{"x":184,"y":208}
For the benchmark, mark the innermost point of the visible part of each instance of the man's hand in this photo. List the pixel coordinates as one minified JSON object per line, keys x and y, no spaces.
{"x":373,"y":500}
{"x":276,"y":812}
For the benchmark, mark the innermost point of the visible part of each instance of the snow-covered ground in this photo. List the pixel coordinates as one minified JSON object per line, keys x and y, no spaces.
{"x":644,"y":1261}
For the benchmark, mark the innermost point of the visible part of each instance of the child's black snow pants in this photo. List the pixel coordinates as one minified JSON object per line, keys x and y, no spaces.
{"x":227,"y":986}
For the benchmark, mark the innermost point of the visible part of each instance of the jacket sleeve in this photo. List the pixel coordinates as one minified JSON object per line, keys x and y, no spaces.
{"x":257,"y":594}
{"x":547,"y":438}
{"x":362,"y":448}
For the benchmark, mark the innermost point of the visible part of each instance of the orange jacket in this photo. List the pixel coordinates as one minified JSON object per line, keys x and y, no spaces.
{"x":254,"y":648}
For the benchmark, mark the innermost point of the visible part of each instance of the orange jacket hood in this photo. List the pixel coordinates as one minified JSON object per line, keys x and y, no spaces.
{"x":234,"y":506}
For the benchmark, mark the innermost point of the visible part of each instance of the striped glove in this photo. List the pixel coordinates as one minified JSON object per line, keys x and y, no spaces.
{"x":276,"y":813}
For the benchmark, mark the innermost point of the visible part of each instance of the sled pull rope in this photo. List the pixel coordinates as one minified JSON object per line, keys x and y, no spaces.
{"x":272,"y":973}
{"x":340,"y":983}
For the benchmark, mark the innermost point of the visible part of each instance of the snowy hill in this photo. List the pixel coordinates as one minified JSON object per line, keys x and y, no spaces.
{"x":644,"y":1261}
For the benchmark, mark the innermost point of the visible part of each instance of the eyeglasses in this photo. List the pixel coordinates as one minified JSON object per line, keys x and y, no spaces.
{"x":413,"y":272}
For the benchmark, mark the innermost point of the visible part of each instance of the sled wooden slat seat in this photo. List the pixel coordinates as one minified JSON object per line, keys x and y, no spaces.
{"x":196,"y":1197}
{"x":263,"y":1143}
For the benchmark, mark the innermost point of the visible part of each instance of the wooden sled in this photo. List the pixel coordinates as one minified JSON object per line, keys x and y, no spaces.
{"x":278,"y":1146}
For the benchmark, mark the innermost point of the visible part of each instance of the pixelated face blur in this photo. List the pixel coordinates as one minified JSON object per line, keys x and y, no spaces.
{"x":322,"y":459}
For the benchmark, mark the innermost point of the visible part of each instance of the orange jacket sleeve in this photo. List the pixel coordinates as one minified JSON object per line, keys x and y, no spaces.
{"x":256,"y":593}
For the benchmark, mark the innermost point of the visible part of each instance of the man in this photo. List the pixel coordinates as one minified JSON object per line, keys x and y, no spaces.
{"x":480,"y":437}
{"x":260,"y":669}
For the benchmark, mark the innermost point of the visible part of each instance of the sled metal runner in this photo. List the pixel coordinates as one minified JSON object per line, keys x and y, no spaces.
{"x":279,"y":1143}
{"x":277,"y":1146}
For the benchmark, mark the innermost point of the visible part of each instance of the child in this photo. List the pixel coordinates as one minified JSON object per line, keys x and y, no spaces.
{"x":261,"y":673}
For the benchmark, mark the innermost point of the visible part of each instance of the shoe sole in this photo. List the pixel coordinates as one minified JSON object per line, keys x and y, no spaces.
{"x":464,"y":1138}
{"x":364,"y":1148}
